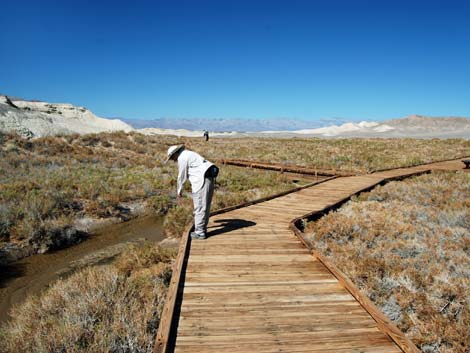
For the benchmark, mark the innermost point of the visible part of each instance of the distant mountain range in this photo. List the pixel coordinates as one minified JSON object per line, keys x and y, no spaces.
{"x":410,"y":126}
{"x":36,"y":118}
{"x":231,"y":125}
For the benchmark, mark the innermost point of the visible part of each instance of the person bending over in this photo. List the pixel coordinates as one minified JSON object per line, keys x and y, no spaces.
{"x":201,"y":174}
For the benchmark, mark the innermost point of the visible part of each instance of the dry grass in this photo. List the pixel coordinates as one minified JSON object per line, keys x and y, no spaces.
{"x":357,"y":155}
{"x":51,"y":181}
{"x":45,"y":184}
{"x":407,"y":246}
{"x":111,"y":308}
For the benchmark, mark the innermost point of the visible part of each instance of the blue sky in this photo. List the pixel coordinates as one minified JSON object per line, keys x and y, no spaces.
{"x":309,"y":60}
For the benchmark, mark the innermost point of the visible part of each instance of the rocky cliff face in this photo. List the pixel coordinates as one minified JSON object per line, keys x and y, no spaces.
{"x":36,"y":119}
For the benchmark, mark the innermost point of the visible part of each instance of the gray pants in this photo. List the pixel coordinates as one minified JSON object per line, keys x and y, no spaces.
{"x":202,"y":206}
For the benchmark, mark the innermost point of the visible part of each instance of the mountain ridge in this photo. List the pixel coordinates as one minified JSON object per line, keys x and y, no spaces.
{"x":37,"y":118}
{"x":226,"y":124}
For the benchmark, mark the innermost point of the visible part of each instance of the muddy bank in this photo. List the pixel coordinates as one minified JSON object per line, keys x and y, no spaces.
{"x":34,"y":273}
{"x":43,"y":241}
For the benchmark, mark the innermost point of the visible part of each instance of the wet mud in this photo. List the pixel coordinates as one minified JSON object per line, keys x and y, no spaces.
{"x":33,"y":274}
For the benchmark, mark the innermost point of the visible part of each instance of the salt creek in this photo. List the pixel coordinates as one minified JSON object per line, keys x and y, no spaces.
{"x":33,"y":274}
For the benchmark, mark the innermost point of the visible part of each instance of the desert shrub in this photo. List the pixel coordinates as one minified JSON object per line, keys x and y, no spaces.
{"x":72,"y":176}
{"x":406,"y":245}
{"x":136,"y":258}
{"x":98,"y":172}
{"x":161,"y":203}
{"x":111,"y":308}
{"x":91,"y":139}
{"x":61,"y":172}
{"x":357,"y":155}
{"x":178,"y":218}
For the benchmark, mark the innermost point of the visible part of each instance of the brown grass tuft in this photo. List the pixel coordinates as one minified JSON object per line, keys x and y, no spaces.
{"x":406,"y":245}
{"x":111,"y":308}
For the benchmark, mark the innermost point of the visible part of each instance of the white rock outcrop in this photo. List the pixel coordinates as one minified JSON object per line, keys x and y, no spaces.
{"x":37,"y":119}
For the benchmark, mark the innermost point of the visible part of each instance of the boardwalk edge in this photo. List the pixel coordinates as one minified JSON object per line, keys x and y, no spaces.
{"x":383,"y":322}
{"x":165,"y":328}
{"x":162,"y":343}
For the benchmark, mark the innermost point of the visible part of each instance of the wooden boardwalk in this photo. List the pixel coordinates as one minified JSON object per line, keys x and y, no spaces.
{"x":253,"y":287}
{"x":283,"y":168}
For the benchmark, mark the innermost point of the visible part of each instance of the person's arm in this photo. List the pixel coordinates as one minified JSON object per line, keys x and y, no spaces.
{"x":182,"y":174}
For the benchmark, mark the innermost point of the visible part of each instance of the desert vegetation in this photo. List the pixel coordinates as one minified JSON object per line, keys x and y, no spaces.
{"x":355,"y":155}
{"x":47,"y":183}
{"x":407,"y":246}
{"x":109,"y":308}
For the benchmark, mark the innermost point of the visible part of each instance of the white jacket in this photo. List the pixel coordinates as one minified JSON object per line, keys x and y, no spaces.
{"x":191,"y":165}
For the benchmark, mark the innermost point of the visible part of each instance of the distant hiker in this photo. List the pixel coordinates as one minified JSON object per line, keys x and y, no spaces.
{"x":201,"y":174}
{"x":206,"y":135}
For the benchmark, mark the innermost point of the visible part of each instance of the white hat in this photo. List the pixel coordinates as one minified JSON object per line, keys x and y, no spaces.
{"x":172,"y":150}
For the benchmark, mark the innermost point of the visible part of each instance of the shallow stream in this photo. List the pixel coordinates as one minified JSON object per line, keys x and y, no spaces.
{"x":34,"y":273}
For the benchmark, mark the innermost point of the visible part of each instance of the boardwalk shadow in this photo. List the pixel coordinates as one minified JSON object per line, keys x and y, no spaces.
{"x":228,"y":225}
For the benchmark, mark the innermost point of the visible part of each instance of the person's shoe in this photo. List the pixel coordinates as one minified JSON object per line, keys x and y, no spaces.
{"x":195,"y":235}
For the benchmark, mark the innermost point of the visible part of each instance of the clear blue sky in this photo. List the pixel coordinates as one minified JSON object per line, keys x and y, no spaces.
{"x":240,"y":59}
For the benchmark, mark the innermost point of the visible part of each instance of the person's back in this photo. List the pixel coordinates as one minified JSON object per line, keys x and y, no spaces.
{"x":193,"y":166}
{"x":201,"y":174}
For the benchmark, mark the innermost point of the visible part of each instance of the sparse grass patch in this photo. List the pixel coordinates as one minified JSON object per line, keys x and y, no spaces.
{"x":345,"y":154}
{"x":45,"y":179}
{"x":111,"y":308}
{"x":46,"y":183}
{"x":60,"y":178}
{"x":407,"y":246}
